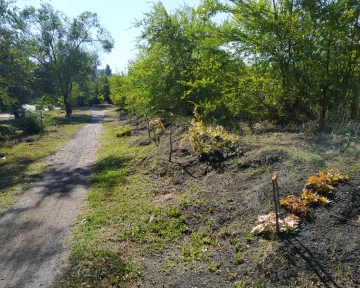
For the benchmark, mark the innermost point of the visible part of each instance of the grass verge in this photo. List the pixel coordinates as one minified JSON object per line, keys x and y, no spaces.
{"x":121,"y":217}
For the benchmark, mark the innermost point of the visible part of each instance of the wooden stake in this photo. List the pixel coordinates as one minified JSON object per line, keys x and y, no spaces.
{"x":276,"y":201}
{"x":170,"y":140}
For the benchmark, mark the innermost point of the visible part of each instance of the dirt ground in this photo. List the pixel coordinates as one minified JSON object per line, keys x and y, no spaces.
{"x":33,"y":231}
{"x":220,"y":204}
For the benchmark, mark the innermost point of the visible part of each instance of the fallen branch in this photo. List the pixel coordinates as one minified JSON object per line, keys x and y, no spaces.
{"x":184,"y":168}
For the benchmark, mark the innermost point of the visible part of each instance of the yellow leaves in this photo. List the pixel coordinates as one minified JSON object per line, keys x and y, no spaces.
{"x":335,"y":176}
{"x":323,"y":181}
{"x":295,"y":204}
{"x":313,"y":198}
{"x":320,"y":183}
{"x":156,"y":127}
{"x":205,"y":139}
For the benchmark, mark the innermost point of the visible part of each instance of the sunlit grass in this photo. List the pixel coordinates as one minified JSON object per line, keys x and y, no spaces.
{"x":121,"y":219}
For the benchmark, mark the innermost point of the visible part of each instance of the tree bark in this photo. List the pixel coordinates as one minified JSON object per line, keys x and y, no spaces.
{"x":15,"y":110}
{"x":355,"y":103}
{"x":324,"y":107}
{"x":67,"y":106}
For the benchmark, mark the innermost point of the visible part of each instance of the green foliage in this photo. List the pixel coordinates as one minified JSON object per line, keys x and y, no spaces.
{"x":16,"y":76}
{"x":33,"y":123}
{"x":121,"y":91}
{"x":280,"y":61}
{"x":6,"y":131}
{"x":198,"y":249}
{"x":69,"y":54}
{"x":102,"y":88}
{"x":238,"y":258}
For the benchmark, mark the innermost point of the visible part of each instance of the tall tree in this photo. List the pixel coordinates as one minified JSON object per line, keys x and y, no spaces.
{"x":16,"y":70}
{"x":66,"y":48}
{"x":107,"y":71}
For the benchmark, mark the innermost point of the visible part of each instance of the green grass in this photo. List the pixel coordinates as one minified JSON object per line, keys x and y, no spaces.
{"x":24,"y":161}
{"x":121,"y":217}
{"x":295,"y":155}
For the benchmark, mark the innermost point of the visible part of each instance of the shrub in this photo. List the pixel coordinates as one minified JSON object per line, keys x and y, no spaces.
{"x":123,"y":131}
{"x":155,"y":129}
{"x":33,"y":123}
{"x":6,"y":131}
{"x":205,"y":140}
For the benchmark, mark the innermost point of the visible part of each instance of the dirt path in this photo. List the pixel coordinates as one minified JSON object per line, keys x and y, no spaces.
{"x":33,"y":231}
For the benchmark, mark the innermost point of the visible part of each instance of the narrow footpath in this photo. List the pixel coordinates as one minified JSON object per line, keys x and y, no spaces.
{"x":33,"y":251}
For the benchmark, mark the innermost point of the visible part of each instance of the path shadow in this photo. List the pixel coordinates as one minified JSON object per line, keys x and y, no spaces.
{"x":34,"y":255}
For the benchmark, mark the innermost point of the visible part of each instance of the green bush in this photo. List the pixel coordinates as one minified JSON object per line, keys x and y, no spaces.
{"x":6,"y":131}
{"x":123,"y":131}
{"x":33,"y":123}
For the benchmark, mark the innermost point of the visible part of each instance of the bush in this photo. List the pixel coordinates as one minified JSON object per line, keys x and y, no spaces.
{"x":6,"y":131}
{"x":33,"y":123}
{"x":205,"y":140}
{"x":123,"y":131}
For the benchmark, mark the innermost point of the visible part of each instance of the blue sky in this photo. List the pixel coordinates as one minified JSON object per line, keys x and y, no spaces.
{"x":117,"y":16}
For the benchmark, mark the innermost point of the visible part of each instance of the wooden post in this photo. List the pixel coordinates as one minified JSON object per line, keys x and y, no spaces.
{"x":170,"y":138}
{"x":148,"y":127}
{"x":276,"y":201}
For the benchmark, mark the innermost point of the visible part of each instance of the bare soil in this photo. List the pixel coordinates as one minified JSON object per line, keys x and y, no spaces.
{"x":33,"y":249}
{"x":220,"y":201}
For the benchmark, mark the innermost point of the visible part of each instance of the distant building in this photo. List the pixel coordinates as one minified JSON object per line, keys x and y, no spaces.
{"x":99,"y":72}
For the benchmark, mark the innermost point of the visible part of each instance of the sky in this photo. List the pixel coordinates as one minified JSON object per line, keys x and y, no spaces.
{"x":117,"y":16}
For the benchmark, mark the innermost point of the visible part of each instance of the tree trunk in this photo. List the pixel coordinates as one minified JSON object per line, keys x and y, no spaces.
{"x":324,"y":107}
{"x":15,"y":109}
{"x":67,"y":106}
{"x":355,"y":103}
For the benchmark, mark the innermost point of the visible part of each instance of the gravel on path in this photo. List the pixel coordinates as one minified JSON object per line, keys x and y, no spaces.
{"x":33,"y":249}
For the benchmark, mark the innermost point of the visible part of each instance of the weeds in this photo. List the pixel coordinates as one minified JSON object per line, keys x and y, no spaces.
{"x":199,"y":248}
{"x":34,"y":123}
{"x":239,"y":258}
{"x":214,"y":267}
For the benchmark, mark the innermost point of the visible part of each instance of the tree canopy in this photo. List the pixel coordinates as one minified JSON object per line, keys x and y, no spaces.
{"x":16,"y":69}
{"x":286,"y":61}
{"x":66,"y":49}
